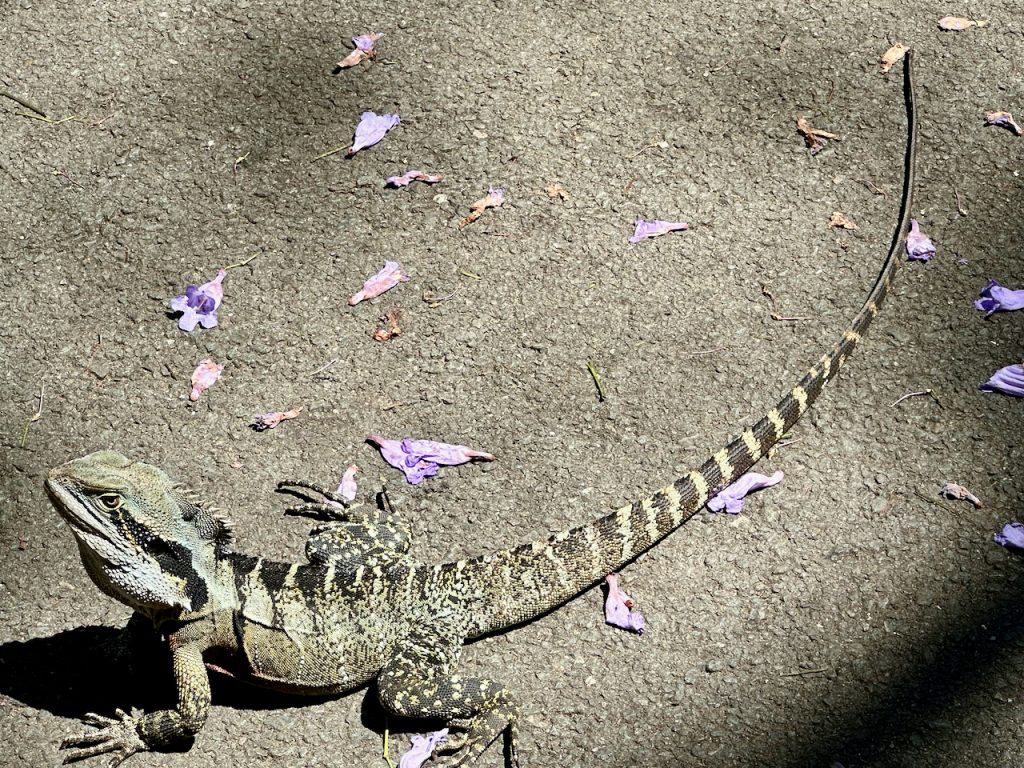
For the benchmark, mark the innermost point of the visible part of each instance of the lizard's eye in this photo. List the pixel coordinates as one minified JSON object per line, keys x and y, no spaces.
{"x":109,"y":502}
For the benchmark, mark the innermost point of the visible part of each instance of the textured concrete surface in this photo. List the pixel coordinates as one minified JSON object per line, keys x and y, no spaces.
{"x":845,"y":616}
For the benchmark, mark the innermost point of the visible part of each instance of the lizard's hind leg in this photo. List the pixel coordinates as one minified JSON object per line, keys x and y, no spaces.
{"x":419,"y":681}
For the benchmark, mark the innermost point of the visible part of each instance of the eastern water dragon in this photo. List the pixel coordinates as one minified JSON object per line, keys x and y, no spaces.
{"x":361,"y":609}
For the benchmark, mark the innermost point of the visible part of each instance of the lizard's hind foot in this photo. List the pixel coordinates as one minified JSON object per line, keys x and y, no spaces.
{"x":473,"y":735}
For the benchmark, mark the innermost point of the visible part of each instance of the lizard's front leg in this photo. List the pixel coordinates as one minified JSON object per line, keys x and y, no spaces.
{"x":419,"y":681}
{"x":124,"y":735}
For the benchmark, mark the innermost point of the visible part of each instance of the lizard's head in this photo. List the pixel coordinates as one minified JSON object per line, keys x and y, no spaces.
{"x":145,"y":540}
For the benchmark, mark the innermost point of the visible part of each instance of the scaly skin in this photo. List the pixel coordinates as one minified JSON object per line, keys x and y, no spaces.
{"x":361,"y":608}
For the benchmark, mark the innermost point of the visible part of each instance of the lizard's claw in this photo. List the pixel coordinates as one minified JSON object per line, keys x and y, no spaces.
{"x":116,"y":734}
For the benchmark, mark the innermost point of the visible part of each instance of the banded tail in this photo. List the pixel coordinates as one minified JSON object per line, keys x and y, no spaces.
{"x":517,"y":585}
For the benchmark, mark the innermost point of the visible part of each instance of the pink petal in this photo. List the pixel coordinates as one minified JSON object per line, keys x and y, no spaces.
{"x":270,"y":420}
{"x":203,"y":377}
{"x":347,"y":486}
{"x":371,"y":129}
{"x":731,"y":497}
{"x":656,"y":228}
{"x":390,"y":276}
{"x":618,"y":608}
{"x":422,"y":749}
{"x":919,"y":246}
{"x":410,"y":176}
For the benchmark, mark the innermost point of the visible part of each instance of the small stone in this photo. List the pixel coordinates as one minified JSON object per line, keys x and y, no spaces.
{"x":691,"y":676}
{"x":99,"y":369}
{"x":715,"y":665}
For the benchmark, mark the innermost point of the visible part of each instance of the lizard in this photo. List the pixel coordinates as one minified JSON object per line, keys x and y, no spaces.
{"x":361,"y":609}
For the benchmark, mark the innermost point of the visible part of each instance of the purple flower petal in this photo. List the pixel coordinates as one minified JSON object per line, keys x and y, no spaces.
{"x":957,"y":491}
{"x":1008,"y":380}
{"x":199,"y":303}
{"x":422,"y":749}
{"x":366,"y":42}
{"x":1011,"y":537}
{"x":730,"y":498}
{"x":919,"y":246}
{"x":347,"y":486}
{"x":390,"y":276}
{"x":371,"y":129}
{"x":204,"y":376}
{"x":420,"y":459}
{"x":656,"y":228}
{"x":1003,"y":120}
{"x":410,"y":176}
{"x":618,"y":608}
{"x":996,"y":298}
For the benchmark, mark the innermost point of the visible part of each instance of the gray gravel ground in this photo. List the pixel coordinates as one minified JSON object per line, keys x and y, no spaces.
{"x":845,"y":616}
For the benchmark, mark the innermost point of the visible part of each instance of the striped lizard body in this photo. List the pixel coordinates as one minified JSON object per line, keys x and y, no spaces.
{"x":361,"y":609}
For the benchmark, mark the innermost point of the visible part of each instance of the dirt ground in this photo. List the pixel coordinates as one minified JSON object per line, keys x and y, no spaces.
{"x":846,"y":616}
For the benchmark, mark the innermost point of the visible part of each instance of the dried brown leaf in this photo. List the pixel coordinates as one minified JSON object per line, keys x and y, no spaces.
{"x":958,"y":23}
{"x":841,"y":221}
{"x":893,"y":55}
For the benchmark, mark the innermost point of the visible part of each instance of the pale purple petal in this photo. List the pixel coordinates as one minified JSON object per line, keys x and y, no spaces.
{"x":1003,"y":120}
{"x":410,"y":176}
{"x":371,"y":129}
{"x":1012,"y":536}
{"x":199,"y":303}
{"x":1008,"y":380}
{"x":957,"y":491}
{"x":618,"y":608}
{"x":347,"y":486}
{"x":996,"y":298}
{"x":204,"y":376}
{"x":366,"y":42}
{"x":442,"y":453}
{"x":420,"y":459}
{"x":390,"y":276}
{"x":657,"y":227}
{"x":730,"y":498}
{"x":422,"y":749}
{"x":919,"y":246}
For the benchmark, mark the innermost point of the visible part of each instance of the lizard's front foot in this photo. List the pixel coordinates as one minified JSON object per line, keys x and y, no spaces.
{"x":118,"y":735}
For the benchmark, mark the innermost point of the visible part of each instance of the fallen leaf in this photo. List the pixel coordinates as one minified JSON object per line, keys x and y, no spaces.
{"x":557,"y":191}
{"x":958,"y":23}
{"x":264,"y":421}
{"x":814,"y":138}
{"x":841,"y":221}
{"x":363,"y":50}
{"x":390,"y":276}
{"x":389,"y":328}
{"x":494,"y":198}
{"x":893,"y":55}
{"x":410,"y":176}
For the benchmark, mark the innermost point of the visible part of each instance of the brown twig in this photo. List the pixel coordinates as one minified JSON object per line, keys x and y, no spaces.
{"x":27,"y":103}
{"x":800,"y":672}
{"x":324,"y":367}
{"x":922,"y":393}
{"x":704,"y":352}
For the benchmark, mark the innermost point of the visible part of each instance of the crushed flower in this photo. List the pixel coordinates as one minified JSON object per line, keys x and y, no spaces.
{"x":919,"y":245}
{"x":264,"y":421}
{"x":997,"y":298}
{"x":1008,"y":380}
{"x":410,"y":176}
{"x":815,"y":139}
{"x":363,"y":49}
{"x":958,"y":23}
{"x":420,"y":459}
{"x":371,"y":129}
{"x":390,"y":276}
{"x":955,"y":491}
{"x":494,"y":198}
{"x":655,"y":228}
{"x":841,"y":221}
{"x":204,"y":376}
{"x":422,"y":749}
{"x":1003,"y":120}
{"x":618,"y":608}
{"x":199,"y":303}
{"x":893,"y":55}
{"x":1011,"y":537}
{"x":347,"y":487}
{"x":731,"y":497}
{"x":389,"y":327}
